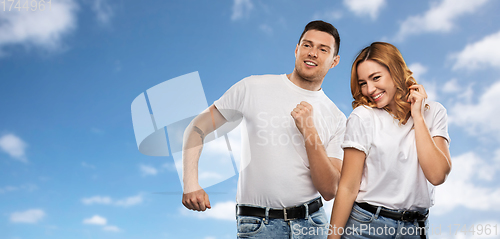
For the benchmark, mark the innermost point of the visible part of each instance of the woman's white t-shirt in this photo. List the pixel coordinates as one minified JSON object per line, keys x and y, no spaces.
{"x":392,"y":176}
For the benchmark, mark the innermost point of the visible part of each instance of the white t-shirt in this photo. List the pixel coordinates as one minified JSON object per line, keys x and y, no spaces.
{"x":277,"y":173}
{"x":392,"y":176}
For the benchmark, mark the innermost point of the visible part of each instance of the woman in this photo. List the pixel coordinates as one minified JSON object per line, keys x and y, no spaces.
{"x":395,"y":151}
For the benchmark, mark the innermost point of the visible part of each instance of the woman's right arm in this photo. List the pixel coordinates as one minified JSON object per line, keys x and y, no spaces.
{"x":350,"y":179}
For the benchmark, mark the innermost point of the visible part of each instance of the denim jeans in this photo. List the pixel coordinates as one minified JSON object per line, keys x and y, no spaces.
{"x":364,"y":224}
{"x":314,"y":225}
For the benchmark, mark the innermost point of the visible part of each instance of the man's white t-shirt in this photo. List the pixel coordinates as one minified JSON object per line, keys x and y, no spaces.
{"x":392,"y":176}
{"x":277,"y":174}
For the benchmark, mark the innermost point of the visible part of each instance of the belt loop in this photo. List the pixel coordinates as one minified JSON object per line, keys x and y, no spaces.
{"x":378,"y":212}
{"x":306,"y":205}
{"x":266,"y":220}
{"x":236,"y":212}
{"x":421,"y":225}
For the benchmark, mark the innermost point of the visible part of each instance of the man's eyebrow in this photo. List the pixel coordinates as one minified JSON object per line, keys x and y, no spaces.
{"x":309,"y":41}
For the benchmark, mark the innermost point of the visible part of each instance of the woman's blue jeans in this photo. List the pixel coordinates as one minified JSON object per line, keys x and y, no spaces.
{"x":364,"y":224}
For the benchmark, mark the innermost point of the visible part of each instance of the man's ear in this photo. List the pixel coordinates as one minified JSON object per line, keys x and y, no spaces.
{"x":296,"y":49}
{"x":336,"y":60}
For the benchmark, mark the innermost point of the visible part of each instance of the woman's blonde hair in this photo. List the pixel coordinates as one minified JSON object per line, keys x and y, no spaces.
{"x":388,"y":56}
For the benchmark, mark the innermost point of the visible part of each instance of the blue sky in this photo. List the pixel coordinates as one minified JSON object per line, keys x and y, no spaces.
{"x":69,"y":163}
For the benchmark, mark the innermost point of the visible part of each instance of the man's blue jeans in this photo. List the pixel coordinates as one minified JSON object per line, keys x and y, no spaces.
{"x":313,"y":226}
{"x":364,"y":224}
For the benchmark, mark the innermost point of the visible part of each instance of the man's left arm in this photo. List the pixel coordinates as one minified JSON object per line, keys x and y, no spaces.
{"x":325,"y":171}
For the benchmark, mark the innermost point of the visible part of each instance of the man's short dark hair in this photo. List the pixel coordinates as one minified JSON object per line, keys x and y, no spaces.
{"x":323,"y":27}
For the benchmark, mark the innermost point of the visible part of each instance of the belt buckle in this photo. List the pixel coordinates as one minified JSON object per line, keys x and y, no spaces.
{"x":425,"y":216}
{"x":284,"y":213}
{"x":403,"y":215}
{"x":409,"y":216}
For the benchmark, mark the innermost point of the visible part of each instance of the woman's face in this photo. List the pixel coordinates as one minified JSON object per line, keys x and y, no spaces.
{"x":376,"y":84}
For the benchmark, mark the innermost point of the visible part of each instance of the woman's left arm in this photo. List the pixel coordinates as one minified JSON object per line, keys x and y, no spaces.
{"x":433,"y":153}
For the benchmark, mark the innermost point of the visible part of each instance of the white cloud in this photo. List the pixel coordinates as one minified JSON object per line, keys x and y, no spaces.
{"x":430,"y":87}
{"x":96,"y":130}
{"x":96,"y":220}
{"x":13,"y":145}
{"x":101,"y":221}
{"x":126,"y":202}
{"x":462,"y":93}
{"x":111,"y":228}
{"x":29,"y":216}
{"x":8,"y":189}
{"x":87,"y":165}
{"x":483,"y":229}
{"x":217,"y":147}
{"x":480,"y":54}
{"x":210,"y":175}
{"x":118,"y":66}
{"x":331,"y":15}
{"x":460,"y":188}
{"x":461,"y":233}
{"x":219,"y":211}
{"x":439,"y":18}
{"x":241,"y":8}
{"x":169,"y":166}
{"x":364,"y":8}
{"x":452,"y":86}
{"x":130,"y":201}
{"x":479,"y":118}
{"x":147,"y":170}
{"x":43,"y":29}
{"x":97,"y":200}
{"x":266,"y":28}
{"x":27,"y":187}
{"x":103,"y":11}
{"x":418,"y":70}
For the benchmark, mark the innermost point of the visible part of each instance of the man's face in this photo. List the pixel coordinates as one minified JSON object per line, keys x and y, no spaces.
{"x":314,"y":55}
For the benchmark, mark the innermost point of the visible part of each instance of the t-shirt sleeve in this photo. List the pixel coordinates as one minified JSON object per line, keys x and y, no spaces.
{"x":440,"y":123}
{"x":358,"y":133}
{"x":231,"y":103}
{"x":333,"y":150}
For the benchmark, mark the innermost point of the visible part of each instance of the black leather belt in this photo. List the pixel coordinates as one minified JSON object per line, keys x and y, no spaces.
{"x":289,"y":213}
{"x":407,"y":216}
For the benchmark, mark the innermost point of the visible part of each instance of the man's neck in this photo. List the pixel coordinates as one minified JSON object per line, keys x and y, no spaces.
{"x":296,"y":79}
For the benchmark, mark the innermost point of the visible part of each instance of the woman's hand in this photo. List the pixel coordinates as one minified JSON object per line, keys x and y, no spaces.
{"x":433,"y":152}
{"x":417,"y":99}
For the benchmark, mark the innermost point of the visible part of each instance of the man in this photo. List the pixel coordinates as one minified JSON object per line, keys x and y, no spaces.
{"x":291,"y":144}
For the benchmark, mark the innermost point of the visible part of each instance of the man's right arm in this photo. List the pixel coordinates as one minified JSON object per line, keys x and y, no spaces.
{"x":194,"y":197}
